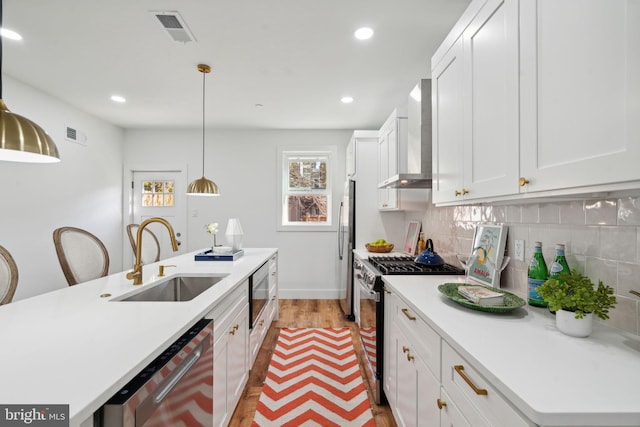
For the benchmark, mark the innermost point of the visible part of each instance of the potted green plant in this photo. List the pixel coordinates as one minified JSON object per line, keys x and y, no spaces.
{"x":575,"y":300}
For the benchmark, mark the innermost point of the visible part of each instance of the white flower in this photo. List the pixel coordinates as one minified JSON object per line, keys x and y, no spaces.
{"x":212,"y":228}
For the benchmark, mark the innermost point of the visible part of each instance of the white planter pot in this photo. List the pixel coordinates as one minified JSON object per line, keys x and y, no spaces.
{"x":569,"y":325}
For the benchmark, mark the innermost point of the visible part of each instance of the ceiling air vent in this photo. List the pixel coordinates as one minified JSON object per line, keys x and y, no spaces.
{"x":74,"y":135}
{"x":174,"y":25}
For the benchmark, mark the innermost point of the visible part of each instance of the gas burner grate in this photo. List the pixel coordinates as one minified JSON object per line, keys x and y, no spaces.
{"x":406,"y":265}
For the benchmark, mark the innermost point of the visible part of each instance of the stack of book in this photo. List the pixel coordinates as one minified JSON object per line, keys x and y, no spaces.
{"x":481,"y":295}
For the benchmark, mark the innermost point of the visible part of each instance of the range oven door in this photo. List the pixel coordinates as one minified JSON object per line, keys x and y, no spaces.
{"x":371,"y":334}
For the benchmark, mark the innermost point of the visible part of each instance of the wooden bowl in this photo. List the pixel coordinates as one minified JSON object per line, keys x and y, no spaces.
{"x":379,"y":249}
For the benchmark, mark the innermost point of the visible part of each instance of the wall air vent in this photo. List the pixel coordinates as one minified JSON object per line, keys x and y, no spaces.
{"x":74,"y":135}
{"x":174,"y":25}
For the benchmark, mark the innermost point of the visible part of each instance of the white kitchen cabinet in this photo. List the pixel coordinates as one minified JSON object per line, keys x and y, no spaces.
{"x":411,"y":375}
{"x":450,"y":415}
{"x":476,"y":398}
{"x":389,"y":367}
{"x":268,"y":314}
{"x":475,"y":97}
{"x":231,"y":352}
{"x":580,"y":93}
{"x":393,"y":129}
{"x":393,"y":160}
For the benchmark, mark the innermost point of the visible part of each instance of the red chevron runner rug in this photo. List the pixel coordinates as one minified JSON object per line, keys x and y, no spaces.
{"x":314,"y":380}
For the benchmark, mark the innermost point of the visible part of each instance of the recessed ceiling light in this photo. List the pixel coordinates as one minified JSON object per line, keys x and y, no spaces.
{"x":12,"y":35}
{"x":364,"y":33}
{"x":347,"y":99}
{"x":118,"y":98}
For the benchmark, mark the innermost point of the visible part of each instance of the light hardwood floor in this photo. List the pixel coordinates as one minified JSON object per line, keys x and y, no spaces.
{"x":300,"y":314}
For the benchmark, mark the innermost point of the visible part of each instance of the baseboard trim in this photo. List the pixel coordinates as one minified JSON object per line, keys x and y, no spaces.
{"x":308,"y":294}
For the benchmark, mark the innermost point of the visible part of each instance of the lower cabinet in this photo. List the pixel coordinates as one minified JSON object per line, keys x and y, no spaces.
{"x":411,"y":387}
{"x":231,"y":352}
{"x":428,"y":383}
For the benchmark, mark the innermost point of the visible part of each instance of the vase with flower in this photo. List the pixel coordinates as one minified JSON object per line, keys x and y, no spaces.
{"x":212,"y":228}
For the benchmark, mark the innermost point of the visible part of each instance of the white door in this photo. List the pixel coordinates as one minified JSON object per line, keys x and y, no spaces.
{"x":159,"y":194}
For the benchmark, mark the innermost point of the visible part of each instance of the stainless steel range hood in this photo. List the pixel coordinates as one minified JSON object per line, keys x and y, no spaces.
{"x":417,"y":167}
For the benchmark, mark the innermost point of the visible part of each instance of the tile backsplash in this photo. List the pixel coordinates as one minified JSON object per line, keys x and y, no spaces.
{"x":602,"y":239}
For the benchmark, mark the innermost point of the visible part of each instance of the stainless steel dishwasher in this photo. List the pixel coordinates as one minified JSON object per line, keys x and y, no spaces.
{"x":176,"y":389}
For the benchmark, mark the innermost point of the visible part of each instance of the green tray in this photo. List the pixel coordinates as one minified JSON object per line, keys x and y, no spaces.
{"x":511,"y":301}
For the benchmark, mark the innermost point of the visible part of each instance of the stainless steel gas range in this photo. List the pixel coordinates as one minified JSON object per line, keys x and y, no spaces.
{"x":368,"y":287}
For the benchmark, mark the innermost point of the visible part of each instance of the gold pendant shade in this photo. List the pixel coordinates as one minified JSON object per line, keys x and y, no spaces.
{"x":203,"y":186}
{"x":21,"y":140}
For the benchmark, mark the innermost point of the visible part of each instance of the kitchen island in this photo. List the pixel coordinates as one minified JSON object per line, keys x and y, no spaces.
{"x":76,"y":346}
{"x":539,"y":375}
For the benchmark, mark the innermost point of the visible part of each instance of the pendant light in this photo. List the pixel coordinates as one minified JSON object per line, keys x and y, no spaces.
{"x":22,"y":140}
{"x":203,"y":186}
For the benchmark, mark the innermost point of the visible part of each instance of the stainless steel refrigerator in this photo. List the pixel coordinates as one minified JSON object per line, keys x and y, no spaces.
{"x":346,"y":243}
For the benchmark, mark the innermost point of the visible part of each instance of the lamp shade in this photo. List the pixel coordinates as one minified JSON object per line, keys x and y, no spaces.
{"x":203,"y":187}
{"x":22,"y":140}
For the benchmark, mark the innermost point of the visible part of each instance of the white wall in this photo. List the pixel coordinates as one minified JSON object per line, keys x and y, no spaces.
{"x":244,"y":165}
{"x":83,"y":190}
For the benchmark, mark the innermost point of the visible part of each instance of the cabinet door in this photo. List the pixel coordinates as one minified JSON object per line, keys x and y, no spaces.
{"x":387,"y":166}
{"x":417,"y":389}
{"x":448,"y":120}
{"x":389,"y":356}
{"x":450,"y":415}
{"x":580,"y":92}
{"x":491,"y":128}
{"x":237,"y":362}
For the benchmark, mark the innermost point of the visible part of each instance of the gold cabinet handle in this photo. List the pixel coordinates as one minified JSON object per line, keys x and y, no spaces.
{"x":457,"y":193}
{"x":232,"y":331}
{"x":386,"y":291}
{"x":261,"y":322}
{"x":465,"y":191}
{"x":523,"y":181}
{"x":409,"y":357}
{"x":441,"y":403}
{"x":460,"y":370}
{"x":405,"y":348}
{"x":406,"y":313}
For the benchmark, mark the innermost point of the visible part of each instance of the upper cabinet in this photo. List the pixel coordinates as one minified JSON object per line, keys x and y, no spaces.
{"x":523,"y":107}
{"x":475,"y":104}
{"x":392,"y":160}
{"x":580,"y":93}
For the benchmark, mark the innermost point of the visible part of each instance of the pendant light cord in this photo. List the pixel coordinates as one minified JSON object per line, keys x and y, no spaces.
{"x":203,"y":97}
{"x":1,"y":40}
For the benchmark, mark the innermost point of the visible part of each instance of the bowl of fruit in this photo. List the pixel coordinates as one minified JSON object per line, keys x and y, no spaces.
{"x":379,"y":246}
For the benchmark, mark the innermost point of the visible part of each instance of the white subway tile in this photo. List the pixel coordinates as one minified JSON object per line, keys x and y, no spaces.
{"x":585,"y":241}
{"x":549,"y":213}
{"x":618,"y":243}
{"x":572,"y":213}
{"x":601,"y":212}
{"x":530,"y":214}
{"x":629,"y":211}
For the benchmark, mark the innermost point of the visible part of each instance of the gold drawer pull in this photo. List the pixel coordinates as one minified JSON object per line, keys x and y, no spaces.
{"x":523,"y":181}
{"x":441,"y":403}
{"x":457,"y":193}
{"x":406,"y":313}
{"x":405,"y":348}
{"x":460,"y":370}
{"x":409,"y":357}
{"x":386,"y":291}
{"x":465,"y":191}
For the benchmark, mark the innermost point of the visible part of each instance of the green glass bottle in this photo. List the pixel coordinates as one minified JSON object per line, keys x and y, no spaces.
{"x":536,"y":276}
{"x":559,"y":265}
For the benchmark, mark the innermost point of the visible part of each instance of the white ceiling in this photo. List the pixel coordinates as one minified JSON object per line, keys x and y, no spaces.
{"x":295,"y":57}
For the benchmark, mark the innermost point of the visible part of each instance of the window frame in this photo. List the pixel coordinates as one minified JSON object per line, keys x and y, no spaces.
{"x":285,"y":154}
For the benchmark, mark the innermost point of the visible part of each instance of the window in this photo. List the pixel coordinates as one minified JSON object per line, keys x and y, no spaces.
{"x":157,"y":193}
{"x":306,"y":189}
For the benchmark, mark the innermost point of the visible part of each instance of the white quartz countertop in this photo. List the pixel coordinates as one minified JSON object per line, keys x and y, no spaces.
{"x":552,"y":378}
{"x":73,"y":347}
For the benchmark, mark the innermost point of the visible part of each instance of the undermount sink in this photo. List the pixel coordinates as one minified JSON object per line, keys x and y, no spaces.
{"x":180,"y":288}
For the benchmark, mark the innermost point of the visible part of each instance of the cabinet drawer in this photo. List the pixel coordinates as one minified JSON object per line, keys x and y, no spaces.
{"x":426,"y":340}
{"x":261,"y":328}
{"x":227,"y":309}
{"x":459,"y":379}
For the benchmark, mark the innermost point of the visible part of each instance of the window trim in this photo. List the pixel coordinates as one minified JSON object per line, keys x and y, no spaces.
{"x":284,"y":153}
